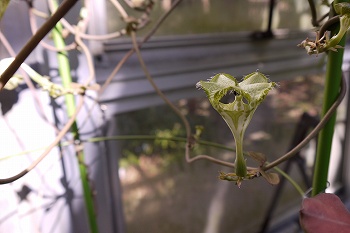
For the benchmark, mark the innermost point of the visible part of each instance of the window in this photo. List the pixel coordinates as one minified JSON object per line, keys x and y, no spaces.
{"x":218,"y":16}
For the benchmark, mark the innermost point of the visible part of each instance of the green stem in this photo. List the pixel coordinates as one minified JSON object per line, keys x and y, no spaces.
{"x":154,"y":137}
{"x":240,"y":164}
{"x":65,"y":74}
{"x":125,"y":137}
{"x":290,"y":179}
{"x":332,"y":84}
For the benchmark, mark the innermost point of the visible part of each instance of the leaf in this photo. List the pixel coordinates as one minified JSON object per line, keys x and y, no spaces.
{"x":270,"y":177}
{"x":324,"y":213}
{"x":257,"y":156}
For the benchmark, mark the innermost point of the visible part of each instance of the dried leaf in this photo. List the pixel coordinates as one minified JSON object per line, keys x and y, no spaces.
{"x":259,"y":157}
{"x":270,"y":177}
{"x":324,"y":213}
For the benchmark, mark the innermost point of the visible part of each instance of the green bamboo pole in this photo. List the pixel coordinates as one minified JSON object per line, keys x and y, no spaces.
{"x":3,"y":6}
{"x":331,"y":91}
{"x":65,"y":74}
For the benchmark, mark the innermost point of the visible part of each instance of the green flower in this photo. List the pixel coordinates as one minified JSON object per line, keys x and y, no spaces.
{"x":248,"y":93}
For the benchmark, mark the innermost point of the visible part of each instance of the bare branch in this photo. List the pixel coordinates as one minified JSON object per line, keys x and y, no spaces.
{"x":314,"y":132}
{"x":61,"y":134}
{"x":35,"y":40}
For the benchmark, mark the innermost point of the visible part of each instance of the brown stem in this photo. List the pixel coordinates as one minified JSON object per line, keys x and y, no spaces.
{"x":35,"y":40}
{"x":314,"y":132}
{"x":49,"y":148}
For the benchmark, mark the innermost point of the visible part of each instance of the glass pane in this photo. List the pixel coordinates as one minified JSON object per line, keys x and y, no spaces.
{"x":162,"y":193}
{"x":216,"y":16}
